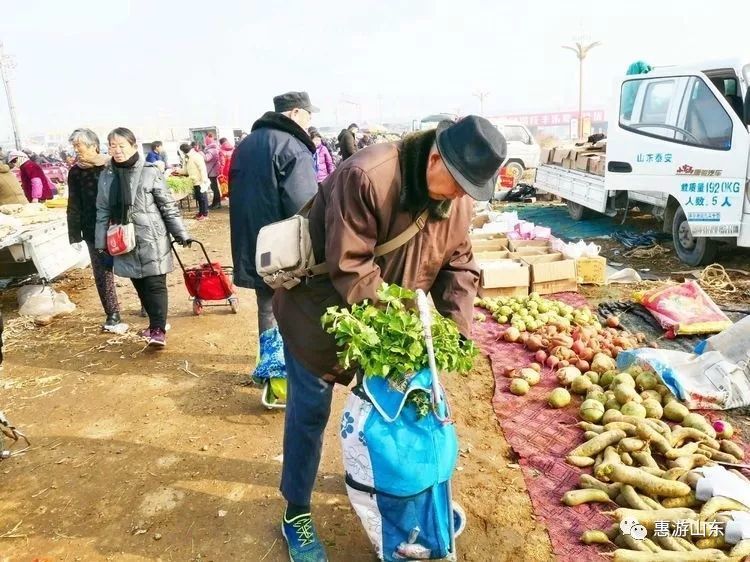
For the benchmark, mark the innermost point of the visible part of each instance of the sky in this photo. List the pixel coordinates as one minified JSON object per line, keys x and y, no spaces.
{"x":141,"y":63}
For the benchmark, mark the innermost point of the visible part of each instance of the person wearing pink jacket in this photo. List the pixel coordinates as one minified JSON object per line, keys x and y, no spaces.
{"x":36,"y":185}
{"x":323,"y":161}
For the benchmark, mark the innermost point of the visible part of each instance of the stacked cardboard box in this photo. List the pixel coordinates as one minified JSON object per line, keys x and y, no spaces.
{"x":592,"y":271}
{"x":504,"y":278}
{"x":552,"y":274}
{"x":584,"y":157}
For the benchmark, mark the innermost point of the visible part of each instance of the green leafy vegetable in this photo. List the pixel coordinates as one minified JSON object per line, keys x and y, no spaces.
{"x":387,"y":340}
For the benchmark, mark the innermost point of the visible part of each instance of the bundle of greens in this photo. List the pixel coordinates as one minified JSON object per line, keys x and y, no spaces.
{"x":180,"y":184}
{"x":386,"y":339}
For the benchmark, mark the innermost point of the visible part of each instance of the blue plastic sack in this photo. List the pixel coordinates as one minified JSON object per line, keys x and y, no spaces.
{"x":271,"y":364}
{"x":398,"y":468}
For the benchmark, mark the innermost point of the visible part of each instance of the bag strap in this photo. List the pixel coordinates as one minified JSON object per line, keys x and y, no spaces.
{"x":386,"y":247}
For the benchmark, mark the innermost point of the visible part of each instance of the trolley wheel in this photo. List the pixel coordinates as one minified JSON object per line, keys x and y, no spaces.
{"x":459,"y":519}
{"x":235,"y":304}
{"x":197,"y":307}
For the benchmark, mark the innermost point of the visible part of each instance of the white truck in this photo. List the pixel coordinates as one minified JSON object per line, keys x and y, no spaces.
{"x":679,"y":148}
{"x":40,"y":249}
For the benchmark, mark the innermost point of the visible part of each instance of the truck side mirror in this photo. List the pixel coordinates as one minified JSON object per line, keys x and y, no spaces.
{"x":746,"y":109}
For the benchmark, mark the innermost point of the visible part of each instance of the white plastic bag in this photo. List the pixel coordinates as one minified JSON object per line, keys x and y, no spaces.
{"x":718,"y":379}
{"x":39,"y":301}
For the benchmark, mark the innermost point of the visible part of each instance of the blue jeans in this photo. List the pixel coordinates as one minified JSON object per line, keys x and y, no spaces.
{"x":308,"y":406}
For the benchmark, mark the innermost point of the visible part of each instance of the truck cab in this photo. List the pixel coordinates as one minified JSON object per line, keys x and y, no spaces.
{"x":523,"y":151}
{"x":682,"y":133}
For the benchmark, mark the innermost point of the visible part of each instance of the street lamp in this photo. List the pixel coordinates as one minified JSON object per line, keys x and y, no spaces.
{"x":581,"y":50}
{"x":481,"y":96}
{"x":6,"y":64}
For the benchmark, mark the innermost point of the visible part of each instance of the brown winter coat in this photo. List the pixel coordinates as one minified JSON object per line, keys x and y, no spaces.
{"x":10,"y":189}
{"x":374,"y":196}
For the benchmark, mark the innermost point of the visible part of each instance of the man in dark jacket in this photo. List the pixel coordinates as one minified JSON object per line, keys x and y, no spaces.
{"x":372,"y":198}
{"x":272,"y":176}
{"x":348,"y":141}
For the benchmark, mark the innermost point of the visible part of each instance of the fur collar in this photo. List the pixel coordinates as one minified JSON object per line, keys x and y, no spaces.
{"x":414,"y":198}
{"x":273,"y":120}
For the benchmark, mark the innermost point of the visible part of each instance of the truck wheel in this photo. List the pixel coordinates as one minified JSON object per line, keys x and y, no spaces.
{"x":577,"y":211}
{"x":692,"y":250}
{"x":514,"y":169}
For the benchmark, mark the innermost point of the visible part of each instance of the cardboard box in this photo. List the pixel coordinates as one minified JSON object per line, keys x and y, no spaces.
{"x":569,"y":163}
{"x":529,"y":251}
{"x":481,"y":257}
{"x":515,"y":245}
{"x":559,"y":154}
{"x":545,"y":156}
{"x":583,"y":160}
{"x":531,"y":258}
{"x":501,"y":278}
{"x":490,"y":245}
{"x":479,"y":235}
{"x":552,"y":274}
{"x":592,"y":271}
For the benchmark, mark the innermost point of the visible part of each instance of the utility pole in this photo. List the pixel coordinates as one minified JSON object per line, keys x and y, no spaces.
{"x":581,"y":50}
{"x":7,"y":63}
{"x":481,"y":96}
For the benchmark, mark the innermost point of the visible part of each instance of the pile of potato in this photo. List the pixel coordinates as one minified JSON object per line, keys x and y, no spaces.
{"x":645,"y":465}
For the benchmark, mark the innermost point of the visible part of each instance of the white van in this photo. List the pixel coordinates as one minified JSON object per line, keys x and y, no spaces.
{"x":523,"y":150}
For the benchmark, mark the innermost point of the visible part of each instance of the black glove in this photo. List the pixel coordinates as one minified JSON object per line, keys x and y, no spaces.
{"x":184,"y":242}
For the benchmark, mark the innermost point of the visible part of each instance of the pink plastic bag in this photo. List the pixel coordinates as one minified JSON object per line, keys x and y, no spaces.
{"x":542,"y":232}
{"x":685,"y":309}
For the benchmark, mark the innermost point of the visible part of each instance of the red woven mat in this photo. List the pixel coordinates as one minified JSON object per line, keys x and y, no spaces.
{"x":542,"y":437}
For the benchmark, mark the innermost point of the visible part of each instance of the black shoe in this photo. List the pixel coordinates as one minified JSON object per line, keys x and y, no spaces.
{"x":112,"y":321}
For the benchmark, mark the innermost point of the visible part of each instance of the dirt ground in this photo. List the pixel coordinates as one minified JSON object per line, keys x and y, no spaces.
{"x":140,"y":455}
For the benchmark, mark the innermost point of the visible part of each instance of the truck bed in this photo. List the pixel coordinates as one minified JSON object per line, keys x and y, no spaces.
{"x":588,"y":189}
{"x":580,"y":187}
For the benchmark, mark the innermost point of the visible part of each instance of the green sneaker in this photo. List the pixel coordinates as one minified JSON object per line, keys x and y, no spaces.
{"x":302,"y":539}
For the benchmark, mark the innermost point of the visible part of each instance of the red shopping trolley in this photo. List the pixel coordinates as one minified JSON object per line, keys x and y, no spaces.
{"x":209,"y":281}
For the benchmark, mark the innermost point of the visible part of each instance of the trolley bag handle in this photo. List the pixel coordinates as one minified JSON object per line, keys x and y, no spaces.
{"x":177,"y":255}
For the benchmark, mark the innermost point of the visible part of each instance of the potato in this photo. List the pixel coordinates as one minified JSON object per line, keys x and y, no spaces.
{"x":625,"y":393}
{"x":653,"y":408}
{"x":581,"y":385}
{"x":624,"y":378}
{"x":612,"y":404}
{"x":611,"y":415}
{"x":591,"y":410}
{"x":596,"y":395}
{"x":646,"y":381}
{"x":633,"y":409}
{"x":559,"y":398}
{"x":646,"y":394}
{"x":605,"y":380}
{"x":519,"y":387}
{"x":675,"y":411}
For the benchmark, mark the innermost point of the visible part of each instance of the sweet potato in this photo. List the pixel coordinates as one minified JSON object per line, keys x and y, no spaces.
{"x":598,"y":444}
{"x":712,"y":555}
{"x":632,"y":498}
{"x":586,"y":426}
{"x":626,"y":459}
{"x":685,"y":450}
{"x":685,"y":501}
{"x":580,"y":462}
{"x":577,"y":497}
{"x":720,"y":503}
{"x":628,"y":428}
{"x":588,"y":481}
{"x":730,"y":447}
{"x":594,"y":537}
{"x":719,"y":455}
{"x":644,"y":458}
{"x":669,"y":543}
{"x":655,"y":439}
{"x":630,"y":444}
{"x":648,"y":483}
{"x":741,"y":549}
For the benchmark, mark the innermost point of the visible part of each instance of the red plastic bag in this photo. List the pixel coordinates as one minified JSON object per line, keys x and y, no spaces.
{"x":685,"y":309}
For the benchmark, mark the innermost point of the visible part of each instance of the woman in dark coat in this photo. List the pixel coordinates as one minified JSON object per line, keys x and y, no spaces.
{"x":134,"y":191}
{"x":83,"y":181}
